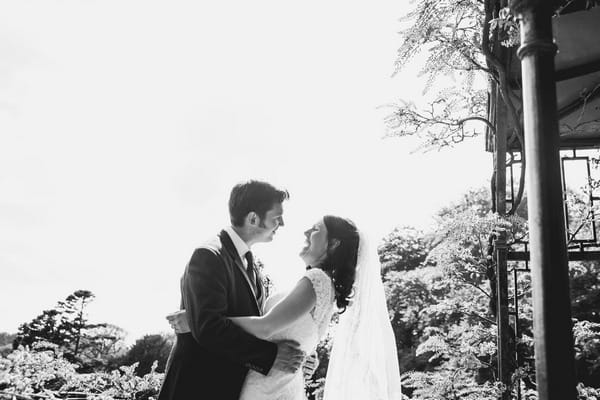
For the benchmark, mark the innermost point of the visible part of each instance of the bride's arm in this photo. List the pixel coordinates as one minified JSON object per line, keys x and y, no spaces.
{"x":298,"y":302}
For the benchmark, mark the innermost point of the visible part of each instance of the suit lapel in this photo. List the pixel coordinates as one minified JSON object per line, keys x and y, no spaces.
{"x":228,"y":245}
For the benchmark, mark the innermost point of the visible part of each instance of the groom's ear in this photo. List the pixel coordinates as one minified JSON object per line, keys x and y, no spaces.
{"x":252,"y":218}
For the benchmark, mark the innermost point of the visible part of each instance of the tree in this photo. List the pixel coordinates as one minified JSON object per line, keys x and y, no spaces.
{"x":6,"y":338}
{"x":91,"y":346}
{"x":6,"y":341}
{"x":62,"y":325}
{"x":404,"y":249}
{"x":44,"y":327}
{"x":476,"y":201}
{"x":147,"y":350}
{"x":73,"y":319}
{"x":408,"y":294}
{"x":456,"y":37}
{"x":442,"y":310}
{"x":101,"y":347}
{"x":469,"y":45}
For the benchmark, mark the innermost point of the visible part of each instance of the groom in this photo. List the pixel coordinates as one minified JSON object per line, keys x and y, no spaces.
{"x":220,"y":281}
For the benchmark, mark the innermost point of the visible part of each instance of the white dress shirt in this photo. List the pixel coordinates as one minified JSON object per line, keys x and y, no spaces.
{"x":241,"y":246}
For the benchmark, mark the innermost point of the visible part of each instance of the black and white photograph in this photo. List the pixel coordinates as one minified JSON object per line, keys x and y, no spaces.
{"x":270,"y":200}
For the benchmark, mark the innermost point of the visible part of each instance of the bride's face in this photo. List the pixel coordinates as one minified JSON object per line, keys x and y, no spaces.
{"x":315,"y":248}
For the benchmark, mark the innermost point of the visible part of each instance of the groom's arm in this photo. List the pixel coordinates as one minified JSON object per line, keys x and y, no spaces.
{"x":296,"y":304}
{"x":205,"y":287}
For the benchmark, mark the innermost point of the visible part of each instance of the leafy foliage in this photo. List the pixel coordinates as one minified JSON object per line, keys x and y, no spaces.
{"x":450,"y":32}
{"x":410,"y":295}
{"x":43,"y":371}
{"x":444,"y":329}
{"x":465,"y":350}
{"x":506,"y":27}
{"x":316,"y":383}
{"x":404,"y":249}
{"x":443,"y":314}
{"x":101,"y":369}
{"x":451,"y":35}
{"x":585,"y":291}
{"x":587,"y":351}
{"x":102,"y":347}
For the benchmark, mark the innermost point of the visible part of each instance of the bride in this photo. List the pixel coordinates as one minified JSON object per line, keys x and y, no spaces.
{"x":343,"y":275}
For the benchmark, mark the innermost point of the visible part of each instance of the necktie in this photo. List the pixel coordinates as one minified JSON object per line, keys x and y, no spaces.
{"x":250,"y":270}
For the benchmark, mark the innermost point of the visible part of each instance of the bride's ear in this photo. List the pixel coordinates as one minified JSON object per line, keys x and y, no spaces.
{"x":333,"y":244}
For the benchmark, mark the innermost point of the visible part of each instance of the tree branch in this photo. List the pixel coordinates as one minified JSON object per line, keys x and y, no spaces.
{"x":503,"y":84}
{"x":477,"y":287}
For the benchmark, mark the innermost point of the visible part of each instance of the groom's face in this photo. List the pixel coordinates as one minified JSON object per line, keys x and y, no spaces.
{"x":267,"y":226}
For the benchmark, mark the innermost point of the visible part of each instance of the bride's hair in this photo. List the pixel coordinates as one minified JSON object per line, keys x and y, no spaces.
{"x":341,"y":262}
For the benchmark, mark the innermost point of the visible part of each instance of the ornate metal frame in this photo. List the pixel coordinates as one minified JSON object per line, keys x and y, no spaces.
{"x":517,"y":254}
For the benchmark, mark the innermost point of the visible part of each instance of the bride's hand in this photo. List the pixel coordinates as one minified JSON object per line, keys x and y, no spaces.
{"x":178,"y":321}
{"x":311,"y":363}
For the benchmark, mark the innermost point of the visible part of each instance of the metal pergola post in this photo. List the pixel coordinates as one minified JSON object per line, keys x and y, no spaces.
{"x":503,"y":331}
{"x":555,"y":372}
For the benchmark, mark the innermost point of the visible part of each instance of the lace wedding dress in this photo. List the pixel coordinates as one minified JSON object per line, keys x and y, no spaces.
{"x":307,"y":331}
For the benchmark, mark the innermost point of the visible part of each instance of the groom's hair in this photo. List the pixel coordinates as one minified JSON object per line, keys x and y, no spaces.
{"x":255,"y":196}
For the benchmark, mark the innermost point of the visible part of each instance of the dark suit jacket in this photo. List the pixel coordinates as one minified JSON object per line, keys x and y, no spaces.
{"x":212,"y":361}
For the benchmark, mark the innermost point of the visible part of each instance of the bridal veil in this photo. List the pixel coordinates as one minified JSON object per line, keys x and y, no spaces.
{"x":363,"y":363}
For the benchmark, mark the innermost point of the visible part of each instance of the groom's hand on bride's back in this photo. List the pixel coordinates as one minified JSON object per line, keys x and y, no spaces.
{"x":289,"y":356}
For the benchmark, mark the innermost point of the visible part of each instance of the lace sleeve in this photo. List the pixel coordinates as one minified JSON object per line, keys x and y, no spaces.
{"x":323,"y":287}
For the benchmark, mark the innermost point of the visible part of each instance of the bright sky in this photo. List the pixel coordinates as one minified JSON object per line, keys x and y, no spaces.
{"x":124,"y":124}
